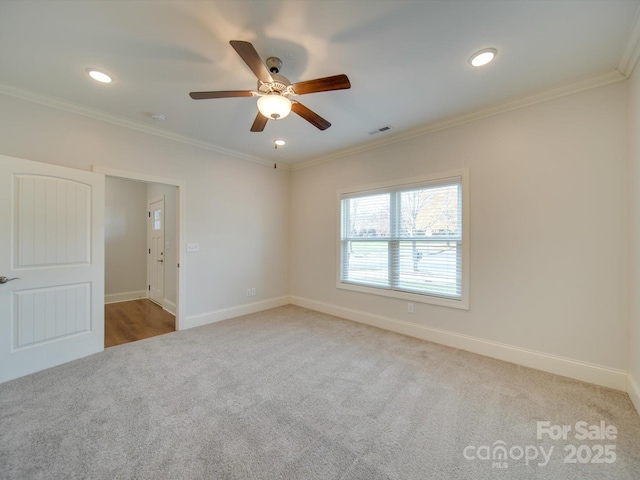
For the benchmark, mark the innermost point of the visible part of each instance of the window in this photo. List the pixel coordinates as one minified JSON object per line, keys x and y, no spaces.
{"x":407,"y":241}
{"x":157,"y":219}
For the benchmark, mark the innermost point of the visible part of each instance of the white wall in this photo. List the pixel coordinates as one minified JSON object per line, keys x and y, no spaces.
{"x":549,"y":234}
{"x":237,"y":210}
{"x":634,"y":334}
{"x":125,"y":239}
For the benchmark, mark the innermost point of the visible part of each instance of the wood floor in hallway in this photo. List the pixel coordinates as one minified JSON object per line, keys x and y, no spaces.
{"x":135,"y":320}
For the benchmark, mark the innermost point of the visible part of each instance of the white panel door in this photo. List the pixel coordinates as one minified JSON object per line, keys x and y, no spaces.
{"x":51,"y":265}
{"x":156,"y":251}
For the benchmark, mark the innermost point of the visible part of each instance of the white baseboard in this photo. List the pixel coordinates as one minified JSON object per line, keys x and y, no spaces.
{"x":587,"y":372}
{"x":633,"y":389}
{"x":125,"y":296}
{"x":169,"y":306}
{"x":201,"y":319}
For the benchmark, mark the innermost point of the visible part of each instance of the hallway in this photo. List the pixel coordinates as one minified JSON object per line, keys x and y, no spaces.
{"x":135,"y":320}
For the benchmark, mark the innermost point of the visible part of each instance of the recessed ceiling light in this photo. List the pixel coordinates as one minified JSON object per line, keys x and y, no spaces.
{"x":280,"y":143}
{"x":98,"y":75}
{"x":483,"y":57}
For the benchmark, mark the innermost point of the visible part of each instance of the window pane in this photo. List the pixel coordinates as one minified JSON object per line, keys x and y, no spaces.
{"x":157,"y":220}
{"x":429,"y":267}
{"x":367,"y":262}
{"x":368,"y":216}
{"x":431,"y":211}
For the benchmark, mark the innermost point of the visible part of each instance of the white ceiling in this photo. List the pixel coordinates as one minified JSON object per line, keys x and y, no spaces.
{"x":407,"y":61}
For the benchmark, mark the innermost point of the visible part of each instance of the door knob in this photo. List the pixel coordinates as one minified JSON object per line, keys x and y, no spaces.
{"x":161,"y":261}
{"x":5,"y":279}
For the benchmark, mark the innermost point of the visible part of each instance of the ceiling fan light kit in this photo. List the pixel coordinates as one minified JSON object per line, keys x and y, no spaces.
{"x":274,"y":106}
{"x":274,"y":90}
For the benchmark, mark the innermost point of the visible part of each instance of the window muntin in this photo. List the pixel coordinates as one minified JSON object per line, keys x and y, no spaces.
{"x":405,"y":240}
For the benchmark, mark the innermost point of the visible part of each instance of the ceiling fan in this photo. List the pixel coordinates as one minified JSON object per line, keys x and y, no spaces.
{"x":275,"y":90}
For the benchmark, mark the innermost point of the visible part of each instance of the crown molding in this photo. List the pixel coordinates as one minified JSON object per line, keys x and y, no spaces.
{"x":550,"y":94}
{"x":540,"y":97}
{"x":130,"y":124}
{"x":631,"y":54}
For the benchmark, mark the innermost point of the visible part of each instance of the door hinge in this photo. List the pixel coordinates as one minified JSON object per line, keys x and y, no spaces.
{"x":149,"y":214}
{"x":149,"y":287}
{"x":149,"y":250}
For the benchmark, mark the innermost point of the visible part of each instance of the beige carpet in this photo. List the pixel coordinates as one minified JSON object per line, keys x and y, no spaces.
{"x":293,"y":394}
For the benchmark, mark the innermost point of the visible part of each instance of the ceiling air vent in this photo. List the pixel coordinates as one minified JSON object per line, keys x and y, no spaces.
{"x":380,"y":130}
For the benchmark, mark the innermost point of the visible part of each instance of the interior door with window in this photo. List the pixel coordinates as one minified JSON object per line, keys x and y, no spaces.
{"x":51,"y":265}
{"x":156,"y":251}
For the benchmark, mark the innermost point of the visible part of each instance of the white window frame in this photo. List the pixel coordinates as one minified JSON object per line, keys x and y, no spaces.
{"x":462,"y":176}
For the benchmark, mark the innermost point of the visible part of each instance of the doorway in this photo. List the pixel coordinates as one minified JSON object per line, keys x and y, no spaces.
{"x":131,"y":281}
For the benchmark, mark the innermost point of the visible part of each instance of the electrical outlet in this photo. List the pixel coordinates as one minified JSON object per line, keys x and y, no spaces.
{"x":193,"y":247}
{"x":248,"y":292}
{"x":253,"y":292}
{"x":410,"y":307}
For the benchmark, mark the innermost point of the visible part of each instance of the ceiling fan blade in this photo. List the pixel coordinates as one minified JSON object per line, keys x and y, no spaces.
{"x":221,"y":94}
{"x":310,"y":116}
{"x":326,"y":84}
{"x":248,"y":53}
{"x":259,"y":123}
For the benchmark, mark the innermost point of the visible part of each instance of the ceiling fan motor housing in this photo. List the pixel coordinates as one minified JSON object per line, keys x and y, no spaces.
{"x":274,"y":64}
{"x":279,"y":85}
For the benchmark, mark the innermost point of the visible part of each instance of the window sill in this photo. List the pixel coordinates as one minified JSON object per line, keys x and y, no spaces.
{"x":462,"y":304}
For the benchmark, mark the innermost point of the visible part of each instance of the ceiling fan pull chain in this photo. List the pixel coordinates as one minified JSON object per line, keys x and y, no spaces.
{"x":275,"y":131}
